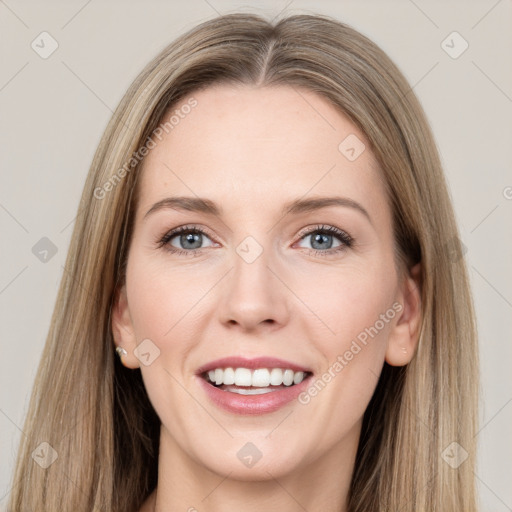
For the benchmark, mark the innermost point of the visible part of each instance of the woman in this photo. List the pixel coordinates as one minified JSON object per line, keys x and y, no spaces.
{"x":315,"y":347}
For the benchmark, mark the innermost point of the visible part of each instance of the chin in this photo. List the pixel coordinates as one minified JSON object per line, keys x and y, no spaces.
{"x":254,"y":460}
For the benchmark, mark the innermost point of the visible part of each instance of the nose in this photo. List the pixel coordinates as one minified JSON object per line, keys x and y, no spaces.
{"x":254,"y":296}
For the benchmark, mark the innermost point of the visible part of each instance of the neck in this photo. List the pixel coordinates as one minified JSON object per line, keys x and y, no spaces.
{"x":322,"y":485}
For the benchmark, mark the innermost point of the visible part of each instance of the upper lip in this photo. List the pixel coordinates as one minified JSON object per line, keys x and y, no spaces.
{"x":251,"y":364}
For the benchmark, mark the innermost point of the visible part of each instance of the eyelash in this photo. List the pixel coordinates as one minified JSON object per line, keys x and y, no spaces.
{"x":346,"y":240}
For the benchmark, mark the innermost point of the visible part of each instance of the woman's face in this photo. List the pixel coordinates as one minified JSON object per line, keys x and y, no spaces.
{"x":274,"y":274}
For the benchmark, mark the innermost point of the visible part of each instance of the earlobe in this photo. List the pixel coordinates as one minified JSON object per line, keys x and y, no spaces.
{"x":404,"y":335}
{"x":122,"y":330}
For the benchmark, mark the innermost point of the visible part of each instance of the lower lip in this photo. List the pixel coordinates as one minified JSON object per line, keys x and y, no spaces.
{"x":253,"y":404}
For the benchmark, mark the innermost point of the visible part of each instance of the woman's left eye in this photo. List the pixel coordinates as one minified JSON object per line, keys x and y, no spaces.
{"x":323,"y":239}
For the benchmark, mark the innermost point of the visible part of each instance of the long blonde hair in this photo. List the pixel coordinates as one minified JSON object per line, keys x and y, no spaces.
{"x":96,"y":414}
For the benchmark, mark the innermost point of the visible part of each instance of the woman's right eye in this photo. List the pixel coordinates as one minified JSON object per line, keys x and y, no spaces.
{"x":184,"y":240}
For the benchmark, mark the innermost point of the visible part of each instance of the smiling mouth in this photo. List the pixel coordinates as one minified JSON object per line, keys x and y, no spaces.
{"x":245,"y":381}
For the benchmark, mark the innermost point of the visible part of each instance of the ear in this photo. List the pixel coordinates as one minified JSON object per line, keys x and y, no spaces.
{"x":404,"y":335}
{"x":122,"y":328}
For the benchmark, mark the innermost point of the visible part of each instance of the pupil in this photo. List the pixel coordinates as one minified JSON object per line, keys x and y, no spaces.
{"x":322,"y":238}
{"x":190,"y":238}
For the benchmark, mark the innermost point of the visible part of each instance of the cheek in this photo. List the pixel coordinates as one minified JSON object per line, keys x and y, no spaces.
{"x":162,"y":299}
{"x":357,"y":306}
{"x":347,"y":304}
{"x":163,"y":307}
{"x":352,"y":357}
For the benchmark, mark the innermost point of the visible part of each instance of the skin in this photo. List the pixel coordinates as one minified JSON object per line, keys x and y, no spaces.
{"x":251,"y":150}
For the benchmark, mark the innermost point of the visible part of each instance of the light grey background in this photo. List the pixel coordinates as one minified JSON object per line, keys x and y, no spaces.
{"x":54,"y":111}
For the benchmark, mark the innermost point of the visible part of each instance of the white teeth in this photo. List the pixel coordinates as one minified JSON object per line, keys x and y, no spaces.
{"x":298,"y":377}
{"x":229,"y":376}
{"x":288,"y":377}
{"x":260,"y":378}
{"x":244,"y":391}
{"x":243,"y":377}
{"x":276,"y":377}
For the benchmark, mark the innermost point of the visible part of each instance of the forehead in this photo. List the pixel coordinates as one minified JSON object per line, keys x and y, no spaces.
{"x":246,"y":146}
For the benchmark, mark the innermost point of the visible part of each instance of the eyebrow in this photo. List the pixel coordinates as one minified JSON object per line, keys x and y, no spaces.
{"x":206,"y":206}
